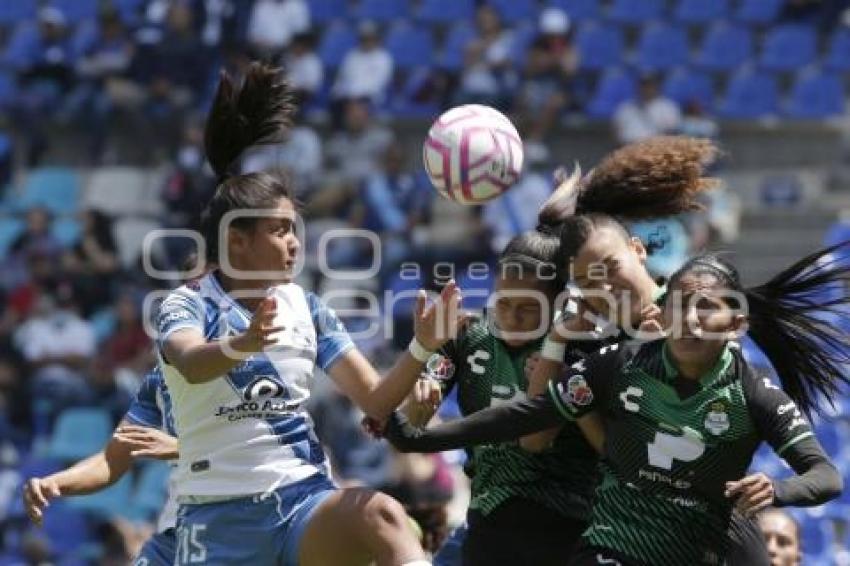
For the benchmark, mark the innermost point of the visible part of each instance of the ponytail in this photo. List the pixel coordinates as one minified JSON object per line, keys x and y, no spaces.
{"x":786,"y":321}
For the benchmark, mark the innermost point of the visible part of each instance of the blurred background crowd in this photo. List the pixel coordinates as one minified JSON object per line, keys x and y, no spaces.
{"x":101,"y":142}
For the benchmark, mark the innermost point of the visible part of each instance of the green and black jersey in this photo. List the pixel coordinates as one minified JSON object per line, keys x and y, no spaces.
{"x":671,"y":444}
{"x":487,"y":373}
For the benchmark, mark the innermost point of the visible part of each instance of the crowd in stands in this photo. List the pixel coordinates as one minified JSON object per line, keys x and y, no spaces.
{"x":72,"y":275}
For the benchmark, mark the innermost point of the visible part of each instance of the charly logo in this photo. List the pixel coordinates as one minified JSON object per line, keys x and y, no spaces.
{"x":262,"y":387}
{"x":717,"y":419}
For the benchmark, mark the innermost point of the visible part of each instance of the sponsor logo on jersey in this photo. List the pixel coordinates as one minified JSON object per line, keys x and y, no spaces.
{"x":659,"y":477}
{"x":579,"y":392}
{"x":717,"y":419}
{"x":176,"y":315}
{"x":263,"y":386}
{"x":439,"y":367}
{"x":262,"y":398}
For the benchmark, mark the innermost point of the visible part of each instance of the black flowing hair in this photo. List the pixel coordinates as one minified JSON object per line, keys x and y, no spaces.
{"x":785,"y":321}
{"x":258,"y":111}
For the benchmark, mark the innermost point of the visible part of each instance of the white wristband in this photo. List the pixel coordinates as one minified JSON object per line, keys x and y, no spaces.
{"x":554,"y":351}
{"x":418,"y":351}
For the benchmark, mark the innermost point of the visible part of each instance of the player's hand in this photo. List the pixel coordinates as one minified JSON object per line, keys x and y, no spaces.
{"x":651,"y":325}
{"x":439,"y":322}
{"x":260,"y":331}
{"x":752,"y":493}
{"x":423,"y":401}
{"x":146,"y":442}
{"x":37,"y":495}
{"x":566,"y":329}
{"x":531,"y":364}
{"x":372,"y":427}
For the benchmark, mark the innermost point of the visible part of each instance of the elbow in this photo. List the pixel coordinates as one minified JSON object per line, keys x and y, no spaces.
{"x":835,"y":487}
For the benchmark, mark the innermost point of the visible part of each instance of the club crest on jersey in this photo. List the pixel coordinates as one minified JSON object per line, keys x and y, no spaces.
{"x":439,"y":367}
{"x":262,"y":387}
{"x":717,"y":419}
{"x":578,"y":391}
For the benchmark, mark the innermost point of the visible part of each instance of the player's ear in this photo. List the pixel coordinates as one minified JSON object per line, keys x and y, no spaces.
{"x":237,"y":240}
{"x":738,"y":327}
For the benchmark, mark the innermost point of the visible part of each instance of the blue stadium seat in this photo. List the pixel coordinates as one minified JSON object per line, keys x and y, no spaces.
{"x":55,"y":188}
{"x":79,"y":432}
{"x":724,"y":47}
{"x":85,"y":36}
{"x":324,"y":11}
{"x":750,"y":95}
{"x":445,"y":11}
{"x":758,"y":12}
{"x":599,"y":46}
{"x":636,"y":11}
{"x":454,"y":47}
{"x":615,"y":87}
{"x":111,"y":502}
{"x":578,"y":9}
{"x":837,"y":56}
{"x":129,"y":9}
{"x":10,"y":229}
{"x":21,"y":46}
{"x":76,"y":10}
{"x":151,"y":490}
{"x":66,"y":230}
{"x":524,"y":34}
{"x":686,"y":85}
{"x":337,"y":40}
{"x":8,"y":89}
{"x":17,"y":11}
{"x":817,"y":537}
{"x":788,"y":47}
{"x":700,"y":11}
{"x":661,"y":47}
{"x":383,"y":10}
{"x":816,"y":95}
{"x":512,"y":11}
{"x":409,"y":46}
{"x":405,"y":102}
{"x":66,"y":528}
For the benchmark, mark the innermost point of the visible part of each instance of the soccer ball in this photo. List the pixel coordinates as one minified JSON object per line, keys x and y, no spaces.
{"x":473,"y":154}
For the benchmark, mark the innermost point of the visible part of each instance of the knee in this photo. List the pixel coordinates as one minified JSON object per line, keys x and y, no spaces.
{"x":384,"y":512}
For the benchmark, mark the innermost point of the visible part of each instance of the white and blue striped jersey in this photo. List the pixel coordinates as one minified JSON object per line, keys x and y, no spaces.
{"x":151,"y":407}
{"x":247,"y":432}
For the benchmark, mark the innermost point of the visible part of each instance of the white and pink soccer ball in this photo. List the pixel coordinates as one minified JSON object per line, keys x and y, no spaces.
{"x":473,"y":154}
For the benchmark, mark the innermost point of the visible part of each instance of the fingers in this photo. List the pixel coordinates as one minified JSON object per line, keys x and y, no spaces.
{"x":753,"y":493}
{"x":421,"y":301}
{"x":35,"y":501}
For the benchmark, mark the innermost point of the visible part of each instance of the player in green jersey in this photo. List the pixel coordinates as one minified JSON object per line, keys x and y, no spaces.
{"x":684,"y":415}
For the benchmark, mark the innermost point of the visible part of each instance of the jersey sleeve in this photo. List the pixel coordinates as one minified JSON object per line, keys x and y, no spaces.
{"x":179,"y":310}
{"x":776,"y":417}
{"x":584,"y":386}
{"x":144,"y":409}
{"x":332,"y":339}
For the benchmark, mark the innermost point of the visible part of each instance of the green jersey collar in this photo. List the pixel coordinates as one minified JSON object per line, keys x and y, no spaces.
{"x":720,"y":368}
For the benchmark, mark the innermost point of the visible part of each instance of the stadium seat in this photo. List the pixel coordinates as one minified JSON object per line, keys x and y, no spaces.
{"x":512,"y":11}
{"x":129,"y":9}
{"x":700,"y":11}
{"x":524,"y":34}
{"x":788,"y":47}
{"x":636,"y":11}
{"x":8,"y":89}
{"x":76,"y":10}
{"x":445,"y":11}
{"x":816,"y":537}
{"x":20,"y":47}
{"x":750,"y":95}
{"x":79,"y":432}
{"x":686,"y":85}
{"x":54,"y":188}
{"x":113,"y":501}
{"x":151,"y":490}
{"x":578,"y":9}
{"x":66,"y":528}
{"x":337,"y":40}
{"x":66,"y":230}
{"x":816,"y":95}
{"x":17,"y":11}
{"x":758,"y":12}
{"x":837,"y":56}
{"x":324,"y":11}
{"x":724,"y":47}
{"x":10,"y":229}
{"x":383,"y":11}
{"x":615,"y":87}
{"x":409,"y":45}
{"x":599,"y":46}
{"x":661,"y":47}
{"x":129,"y":237}
{"x":85,"y":36}
{"x":454,"y":47}
{"x":122,"y":191}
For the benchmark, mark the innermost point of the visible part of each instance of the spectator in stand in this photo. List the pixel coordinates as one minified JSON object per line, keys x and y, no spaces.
{"x":696,"y":123}
{"x":92,"y":264}
{"x":129,"y":346}
{"x":274,"y":23}
{"x":650,"y":114}
{"x":37,"y":237}
{"x":303,"y":67}
{"x":356,"y":151}
{"x":366,"y":70}
{"x":488,"y":76}
{"x":15,"y":418}
{"x":106,"y":58}
{"x":104,"y":390}
{"x":45,"y":71}
{"x":516,"y":211}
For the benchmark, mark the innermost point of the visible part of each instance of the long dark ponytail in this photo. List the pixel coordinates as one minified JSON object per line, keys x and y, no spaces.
{"x":258,"y":111}
{"x":786,"y":320}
